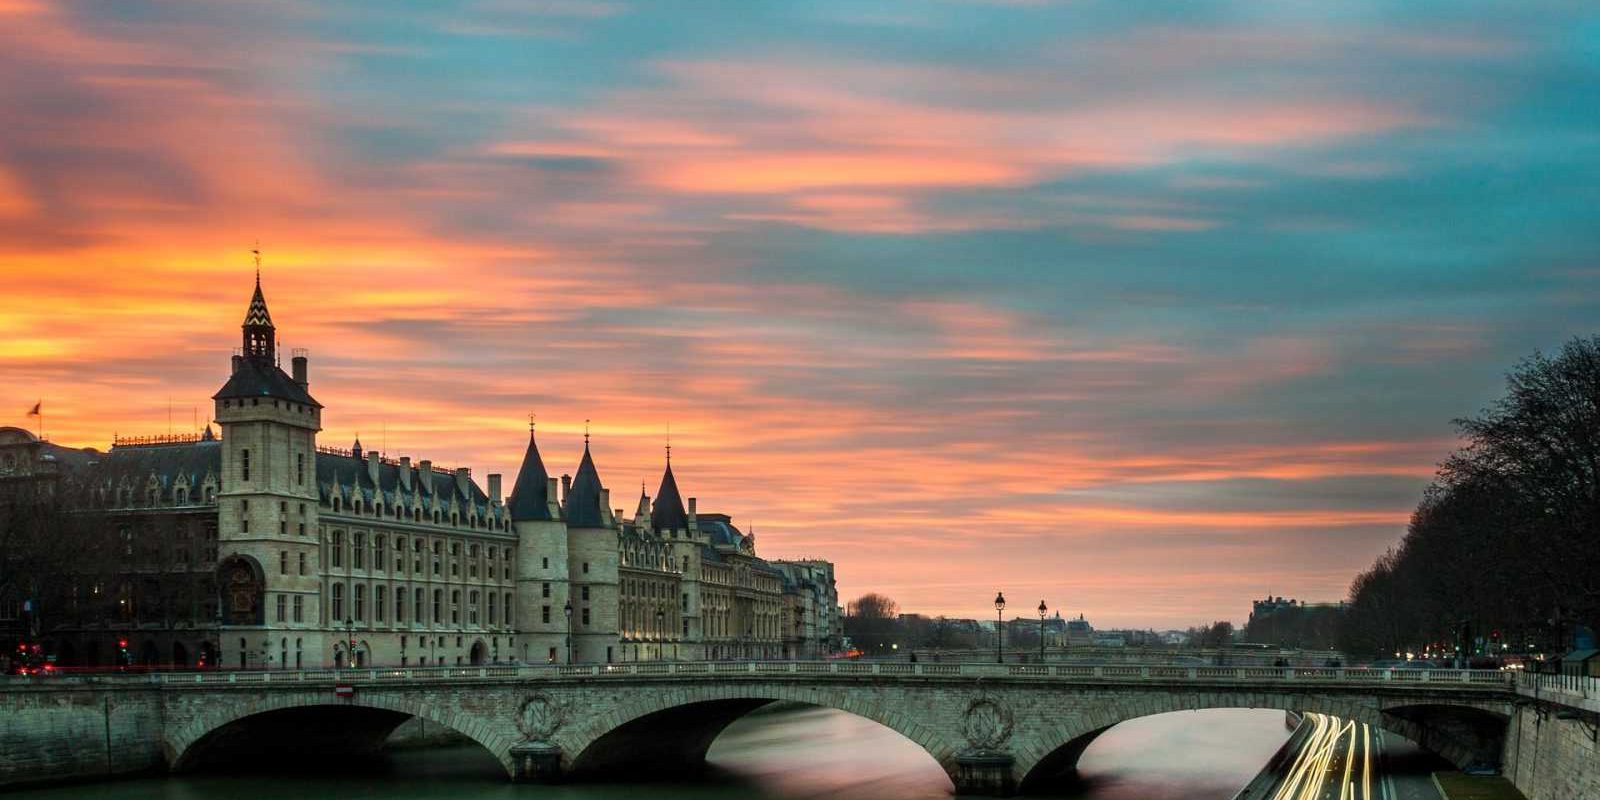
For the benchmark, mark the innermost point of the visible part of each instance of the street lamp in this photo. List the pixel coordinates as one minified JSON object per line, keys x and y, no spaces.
{"x":999,"y":628}
{"x":661,"y":632}
{"x":1041,"y":631}
{"x":350,"y":653}
{"x":568,"y":612}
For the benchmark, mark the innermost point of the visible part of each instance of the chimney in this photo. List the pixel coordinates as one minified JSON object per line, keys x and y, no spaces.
{"x":494,"y":488}
{"x":552,"y":502}
{"x":299,"y":362}
{"x":566,"y":487}
{"x":372,"y":465}
{"x":463,"y":479}
{"x":425,"y":472}
{"x":691,"y":506}
{"x":405,"y":472}
{"x":238,"y":361}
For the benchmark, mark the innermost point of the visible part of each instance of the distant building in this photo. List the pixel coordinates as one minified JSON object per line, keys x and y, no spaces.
{"x":1290,"y":623}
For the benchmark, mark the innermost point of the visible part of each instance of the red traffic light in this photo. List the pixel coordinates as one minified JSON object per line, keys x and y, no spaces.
{"x":123,"y":643}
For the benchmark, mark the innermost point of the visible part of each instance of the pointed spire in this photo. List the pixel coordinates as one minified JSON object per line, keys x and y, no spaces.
{"x":259,"y":333}
{"x":355,"y":449}
{"x":583,"y":499}
{"x":668,"y":513}
{"x":530,"y":496}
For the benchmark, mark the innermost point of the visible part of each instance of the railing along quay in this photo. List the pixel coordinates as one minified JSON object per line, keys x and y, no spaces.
{"x":1088,"y":673}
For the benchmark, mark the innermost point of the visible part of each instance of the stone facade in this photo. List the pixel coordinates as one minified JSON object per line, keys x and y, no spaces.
{"x":262,"y":549}
{"x":992,"y":734}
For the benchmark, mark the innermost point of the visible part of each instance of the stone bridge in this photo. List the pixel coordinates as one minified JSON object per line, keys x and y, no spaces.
{"x":994,"y":728}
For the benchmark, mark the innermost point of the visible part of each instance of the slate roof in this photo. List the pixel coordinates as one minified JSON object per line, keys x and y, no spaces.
{"x":668,"y":513}
{"x":259,"y":377}
{"x":583,"y":498}
{"x":719,"y":529}
{"x":168,"y":462}
{"x":530,"y":496}
{"x":337,"y":473}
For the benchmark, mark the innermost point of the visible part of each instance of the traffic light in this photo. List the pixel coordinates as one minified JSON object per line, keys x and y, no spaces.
{"x":122,"y":651}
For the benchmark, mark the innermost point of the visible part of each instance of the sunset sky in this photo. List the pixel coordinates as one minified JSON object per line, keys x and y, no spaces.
{"x":1145,"y":309}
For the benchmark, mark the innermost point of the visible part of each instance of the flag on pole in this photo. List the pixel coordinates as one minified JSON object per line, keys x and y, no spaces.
{"x":36,"y":409}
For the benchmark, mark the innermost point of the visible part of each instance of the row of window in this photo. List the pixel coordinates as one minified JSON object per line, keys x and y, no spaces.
{"x":490,"y":560}
{"x":500,"y":607}
{"x":416,"y":514}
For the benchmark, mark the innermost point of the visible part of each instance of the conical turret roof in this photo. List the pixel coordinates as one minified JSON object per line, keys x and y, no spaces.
{"x":583,"y":499}
{"x":668,"y":513}
{"x":530,"y":497}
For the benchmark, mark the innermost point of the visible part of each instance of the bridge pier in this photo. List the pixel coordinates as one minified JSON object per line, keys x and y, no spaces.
{"x":985,"y":775}
{"x":536,"y":762}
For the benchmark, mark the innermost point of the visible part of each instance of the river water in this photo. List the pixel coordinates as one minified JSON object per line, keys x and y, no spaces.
{"x":789,"y":754}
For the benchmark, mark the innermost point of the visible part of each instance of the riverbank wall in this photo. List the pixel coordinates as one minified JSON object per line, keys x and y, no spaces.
{"x":54,"y":734}
{"x":1551,"y":751}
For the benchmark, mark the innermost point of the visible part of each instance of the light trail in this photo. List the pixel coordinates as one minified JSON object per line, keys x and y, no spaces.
{"x":1328,"y":759}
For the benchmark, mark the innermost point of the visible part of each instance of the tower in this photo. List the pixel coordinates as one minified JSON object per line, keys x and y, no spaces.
{"x":593,"y":561}
{"x":542,"y":587}
{"x":268,"y":566}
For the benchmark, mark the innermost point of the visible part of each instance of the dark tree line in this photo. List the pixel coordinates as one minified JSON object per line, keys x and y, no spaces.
{"x":1507,"y":538}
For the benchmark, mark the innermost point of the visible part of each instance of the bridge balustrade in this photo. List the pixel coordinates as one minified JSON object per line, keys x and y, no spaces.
{"x":1573,"y":685}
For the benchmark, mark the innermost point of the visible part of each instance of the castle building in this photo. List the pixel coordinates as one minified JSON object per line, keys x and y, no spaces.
{"x":259,"y":548}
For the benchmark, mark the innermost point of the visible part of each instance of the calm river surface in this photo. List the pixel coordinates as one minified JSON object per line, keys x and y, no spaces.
{"x":783,"y":755}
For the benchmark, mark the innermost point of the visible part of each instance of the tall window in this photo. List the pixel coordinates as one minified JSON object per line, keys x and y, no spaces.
{"x":472,"y":608}
{"x":455,"y":607}
{"x":282,"y":604}
{"x":508,"y":609}
{"x":400,"y":605}
{"x":244,"y":464}
{"x":438,"y":605}
{"x":380,"y":554}
{"x":299,"y":609}
{"x":302,"y":563}
{"x":300,"y":468}
{"x":418,"y":607}
{"x":358,"y":550}
{"x":336,"y":549}
{"x":493,"y":607}
{"x":380,"y":601}
{"x":283,"y":562}
{"x":361,"y":602}
{"x":338,"y":602}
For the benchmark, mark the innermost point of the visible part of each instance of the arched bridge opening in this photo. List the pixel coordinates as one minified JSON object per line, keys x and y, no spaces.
{"x":311,"y":738}
{"x":673,"y":742}
{"x":1463,"y":735}
{"x":308,"y":736}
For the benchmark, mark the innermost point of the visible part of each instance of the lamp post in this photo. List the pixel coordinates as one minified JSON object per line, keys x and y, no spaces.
{"x":350,"y":654}
{"x":1041,"y":631}
{"x":661,"y":632}
{"x":999,"y":627}
{"x":568,"y":611}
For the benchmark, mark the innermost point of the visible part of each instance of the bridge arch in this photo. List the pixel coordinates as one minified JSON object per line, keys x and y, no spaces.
{"x":669,"y":733}
{"x":184,"y":743}
{"x":1052,"y":754}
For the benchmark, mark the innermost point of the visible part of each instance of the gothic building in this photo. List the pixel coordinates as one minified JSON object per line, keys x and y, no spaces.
{"x":259,"y":548}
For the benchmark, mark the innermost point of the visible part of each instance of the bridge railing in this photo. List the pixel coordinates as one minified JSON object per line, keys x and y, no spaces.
{"x":1579,"y":687}
{"x":1085,"y":673}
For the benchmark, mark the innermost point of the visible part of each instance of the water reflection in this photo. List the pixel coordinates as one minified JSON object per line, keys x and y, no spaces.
{"x":787,"y":754}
